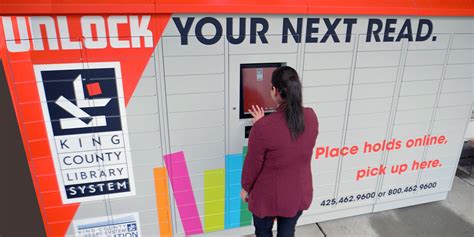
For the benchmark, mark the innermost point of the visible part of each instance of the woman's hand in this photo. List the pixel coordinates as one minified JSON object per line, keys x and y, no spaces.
{"x":257,"y":113}
{"x":244,"y":195}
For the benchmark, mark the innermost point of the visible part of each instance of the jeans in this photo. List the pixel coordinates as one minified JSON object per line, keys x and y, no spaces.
{"x":285,"y":225}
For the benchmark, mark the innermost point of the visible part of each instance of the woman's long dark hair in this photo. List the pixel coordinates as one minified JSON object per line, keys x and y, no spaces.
{"x":285,"y":79}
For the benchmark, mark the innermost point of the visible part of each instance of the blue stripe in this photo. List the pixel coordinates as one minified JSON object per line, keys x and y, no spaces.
{"x":233,"y":173}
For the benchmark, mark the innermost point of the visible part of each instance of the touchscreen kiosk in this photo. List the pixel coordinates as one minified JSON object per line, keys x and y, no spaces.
{"x":250,"y":83}
{"x":255,"y":87}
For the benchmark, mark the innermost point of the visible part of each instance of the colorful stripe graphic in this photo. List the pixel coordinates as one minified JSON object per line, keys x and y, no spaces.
{"x":223,"y":207}
{"x":233,"y":175}
{"x":162,"y":201}
{"x":183,"y":192}
{"x":214,"y":199}
{"x":245,"y":214}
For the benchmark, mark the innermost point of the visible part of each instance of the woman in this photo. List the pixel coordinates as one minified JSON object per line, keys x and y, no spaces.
{"x":276,"y":177}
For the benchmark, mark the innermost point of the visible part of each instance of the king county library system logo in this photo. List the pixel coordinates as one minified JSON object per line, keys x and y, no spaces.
{"x":84,"y":111}
{"x":125,"y":225}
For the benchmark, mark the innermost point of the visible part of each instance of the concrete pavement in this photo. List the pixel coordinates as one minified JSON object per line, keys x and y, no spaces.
{"x":452,"y":217}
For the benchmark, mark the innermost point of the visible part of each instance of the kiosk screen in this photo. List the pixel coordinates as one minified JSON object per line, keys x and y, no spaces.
{"x":255,"y":86}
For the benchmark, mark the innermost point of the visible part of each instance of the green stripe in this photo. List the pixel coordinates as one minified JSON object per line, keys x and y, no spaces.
{"x":245,"y":214}
{"x":214,"y":199}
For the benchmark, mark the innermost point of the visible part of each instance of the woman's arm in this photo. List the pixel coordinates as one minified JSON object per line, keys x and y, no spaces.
{"x":255,"y":156}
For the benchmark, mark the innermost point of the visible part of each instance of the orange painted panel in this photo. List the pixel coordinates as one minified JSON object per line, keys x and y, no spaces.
{"x":365,"y":7}
{"x":162,"y":201}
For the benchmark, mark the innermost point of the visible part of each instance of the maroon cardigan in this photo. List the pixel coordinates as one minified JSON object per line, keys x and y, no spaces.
{"x":277,"y":169}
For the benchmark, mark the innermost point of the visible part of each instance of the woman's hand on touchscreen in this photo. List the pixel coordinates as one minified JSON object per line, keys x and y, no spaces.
{"x":257,"y":113}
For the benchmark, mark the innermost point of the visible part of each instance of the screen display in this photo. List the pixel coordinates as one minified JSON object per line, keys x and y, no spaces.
{"x":255,"y":87}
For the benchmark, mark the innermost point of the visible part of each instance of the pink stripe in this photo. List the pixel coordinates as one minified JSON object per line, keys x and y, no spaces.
{"x":183,"y":192}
